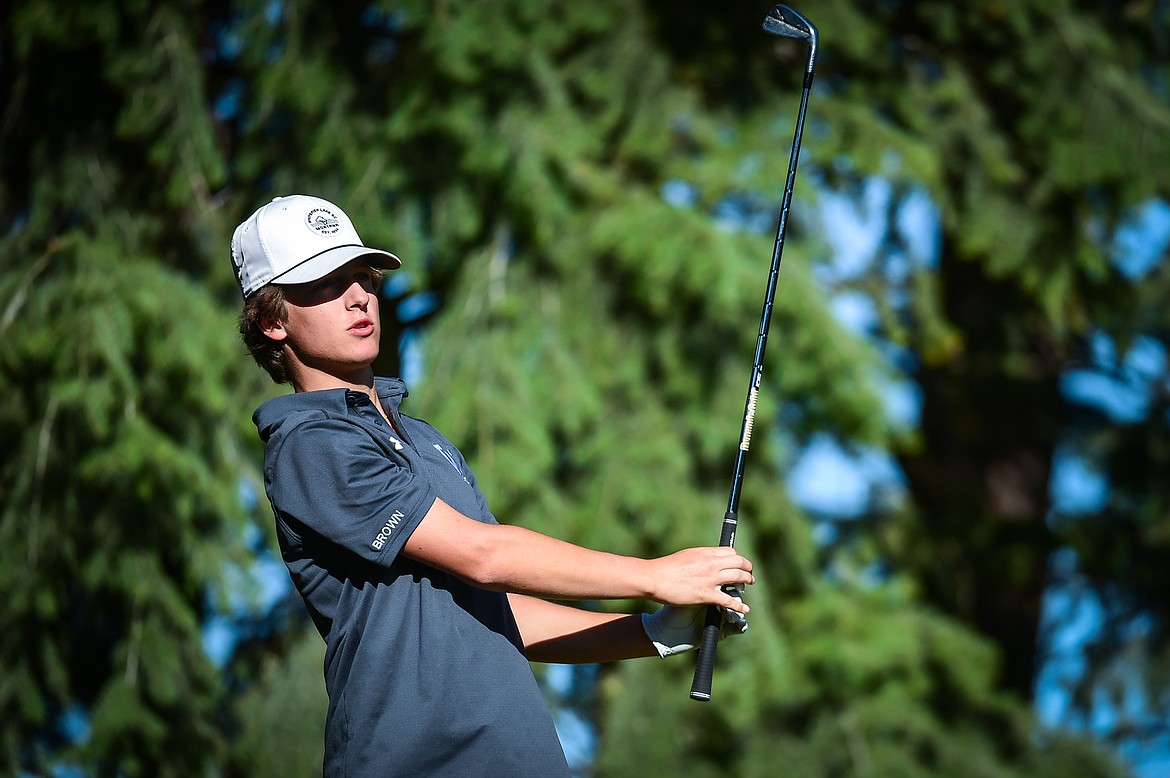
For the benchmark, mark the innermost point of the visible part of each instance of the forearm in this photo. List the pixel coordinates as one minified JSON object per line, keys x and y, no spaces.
{"x":514,"y":559}
{"x":519,"y":560}
{"x":568,"y":635}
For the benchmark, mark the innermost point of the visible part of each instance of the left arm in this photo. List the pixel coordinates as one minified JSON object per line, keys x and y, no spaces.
{"x":568,"y":635}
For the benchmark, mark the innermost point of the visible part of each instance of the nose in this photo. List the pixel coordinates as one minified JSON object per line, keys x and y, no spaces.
{"x":357,"y":295}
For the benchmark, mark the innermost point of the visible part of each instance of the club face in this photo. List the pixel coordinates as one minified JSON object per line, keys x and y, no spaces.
{"x":788,"y":23}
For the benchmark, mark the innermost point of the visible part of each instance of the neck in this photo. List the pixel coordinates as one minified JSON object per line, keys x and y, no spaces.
{"x":308,"y":380}
{"x":313,"y":380}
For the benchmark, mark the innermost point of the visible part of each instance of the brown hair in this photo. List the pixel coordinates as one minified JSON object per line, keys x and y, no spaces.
{"x":266,"y":305}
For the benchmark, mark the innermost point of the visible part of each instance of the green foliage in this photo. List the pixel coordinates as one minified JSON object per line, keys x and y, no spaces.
{"x":1035,"y":128}
{"x":282,"y":716}
{"x":123,"y":385}
{"x":121,"y":462}
{"x":850,"y":682}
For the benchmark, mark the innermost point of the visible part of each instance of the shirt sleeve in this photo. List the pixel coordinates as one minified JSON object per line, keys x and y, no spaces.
{"x":336,"y":479}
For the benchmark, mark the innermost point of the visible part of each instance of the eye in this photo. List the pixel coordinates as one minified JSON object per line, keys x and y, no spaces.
{"x":368,"y":279}
{"x":326,"y":284}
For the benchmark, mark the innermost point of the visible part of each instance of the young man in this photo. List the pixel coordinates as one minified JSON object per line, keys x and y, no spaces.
{"x":430,"y":609}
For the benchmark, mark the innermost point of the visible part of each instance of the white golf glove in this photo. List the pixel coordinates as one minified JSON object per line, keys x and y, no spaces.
{"x":674,"y":630}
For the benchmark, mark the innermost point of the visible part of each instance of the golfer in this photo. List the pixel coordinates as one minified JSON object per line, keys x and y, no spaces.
{"x":430,"y":609}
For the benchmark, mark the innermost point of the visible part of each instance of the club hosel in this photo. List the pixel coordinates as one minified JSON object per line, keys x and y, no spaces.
{"x":814,"y":38}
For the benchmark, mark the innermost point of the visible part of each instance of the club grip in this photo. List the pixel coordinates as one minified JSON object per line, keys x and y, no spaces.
{"x":708,"y":647}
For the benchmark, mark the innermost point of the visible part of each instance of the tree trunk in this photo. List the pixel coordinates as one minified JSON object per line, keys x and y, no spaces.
{"x":989,"y":429}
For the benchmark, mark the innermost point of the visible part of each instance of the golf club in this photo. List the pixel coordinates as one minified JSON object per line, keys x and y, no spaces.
{"x":786,"y":23}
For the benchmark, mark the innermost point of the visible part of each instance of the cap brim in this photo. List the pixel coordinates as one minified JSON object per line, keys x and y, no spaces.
{"x":327,"y":261}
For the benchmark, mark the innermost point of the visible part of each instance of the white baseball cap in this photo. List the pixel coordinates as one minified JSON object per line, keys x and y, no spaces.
{"x":297,"y":239}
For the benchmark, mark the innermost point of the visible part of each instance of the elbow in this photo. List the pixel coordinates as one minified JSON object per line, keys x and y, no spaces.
{"x":486,"y":565}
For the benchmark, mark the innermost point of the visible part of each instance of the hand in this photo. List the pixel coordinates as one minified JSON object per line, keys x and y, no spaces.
{"x":674,"y":630}
{"x":702,"y":576}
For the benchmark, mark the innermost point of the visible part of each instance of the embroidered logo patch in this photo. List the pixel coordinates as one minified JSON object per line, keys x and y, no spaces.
{"x":323,"y":221}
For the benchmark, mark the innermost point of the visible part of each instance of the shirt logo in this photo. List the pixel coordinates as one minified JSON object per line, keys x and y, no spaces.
{"x":454,"y":462}
{"x":387,"y":528}
{"x":397,"y":443}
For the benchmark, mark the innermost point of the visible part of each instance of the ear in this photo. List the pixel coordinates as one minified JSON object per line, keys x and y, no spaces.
{"x":273,"y":329}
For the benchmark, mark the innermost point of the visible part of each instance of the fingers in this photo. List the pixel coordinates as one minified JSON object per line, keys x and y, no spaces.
{"x":706,"y":576}
{"x":733,"y":568}
{"x":717,"y":559}
{"x":731,"y":557}
{"x":733,"y":604}
{"x":734,"y":623}
{"x":734,"y":574}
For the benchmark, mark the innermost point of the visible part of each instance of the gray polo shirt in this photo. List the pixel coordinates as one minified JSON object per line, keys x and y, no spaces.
{"x":426,"y":674}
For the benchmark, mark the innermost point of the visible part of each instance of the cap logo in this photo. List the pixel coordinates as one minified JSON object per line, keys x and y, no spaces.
{"x":323,"y":221}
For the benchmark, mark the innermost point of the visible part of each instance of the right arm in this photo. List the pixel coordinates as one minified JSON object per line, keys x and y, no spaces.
{"x":513,"y":559}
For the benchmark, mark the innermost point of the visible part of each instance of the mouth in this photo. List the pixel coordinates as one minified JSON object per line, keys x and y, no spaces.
{"x":362,"y":327}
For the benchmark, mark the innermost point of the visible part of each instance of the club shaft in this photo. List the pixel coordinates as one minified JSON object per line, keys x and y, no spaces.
{"x":708,"y":647}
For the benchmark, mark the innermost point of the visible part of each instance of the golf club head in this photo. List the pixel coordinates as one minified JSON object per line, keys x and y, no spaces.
{"x":789,"y":23}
